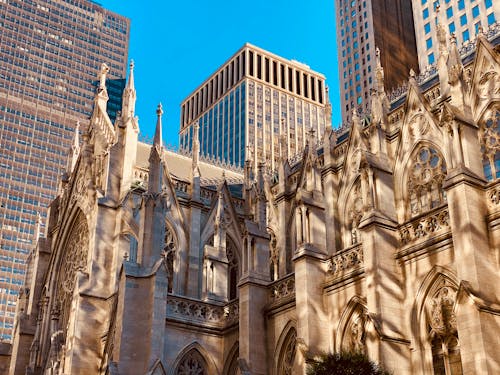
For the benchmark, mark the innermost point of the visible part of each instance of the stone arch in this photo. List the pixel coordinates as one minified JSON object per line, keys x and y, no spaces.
{"x":489,"y":140}
{"x":274,"y":255}
{"x":433,"y":324}
{"x":353,"y":326}
{"x":420,"y":182}
{"x":195,"y":356}
{"x":233,"y":253}
{"x":232,"y":367}
{"x":352,"y":211}
{"x":285,"y":357}
{"x":171,"y":253}
{"x":72,"y":258}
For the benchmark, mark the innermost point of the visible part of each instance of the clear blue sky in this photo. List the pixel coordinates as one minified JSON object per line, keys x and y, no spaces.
{"x":176,"y":45}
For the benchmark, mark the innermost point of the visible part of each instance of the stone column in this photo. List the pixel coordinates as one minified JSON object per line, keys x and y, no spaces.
{"x":253,"y":296}
{"x":311,"y":317}
{"x":476,"y":269}
{"x":384,"y":293}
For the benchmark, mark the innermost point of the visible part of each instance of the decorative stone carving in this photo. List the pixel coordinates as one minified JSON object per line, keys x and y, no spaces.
{"x":442,"y":319}
{"x":346,"y":260}
{"x":283,"y":289}
{"x":419,"y":125}
{"x":489,"y":84}
{"x":425,"y":180}
{"x":73,"y":259}
{"x":489,"y":138}
{"x":186,"y":309}
{"x":354,"y":214}
{"x":355,"y":335}
{"x":436,"y":221}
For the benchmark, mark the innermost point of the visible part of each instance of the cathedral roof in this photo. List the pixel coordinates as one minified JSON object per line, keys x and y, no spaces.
{"x":180,"y":167}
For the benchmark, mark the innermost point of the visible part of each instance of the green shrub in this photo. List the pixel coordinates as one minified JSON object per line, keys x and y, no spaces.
{"x":344,"y":363}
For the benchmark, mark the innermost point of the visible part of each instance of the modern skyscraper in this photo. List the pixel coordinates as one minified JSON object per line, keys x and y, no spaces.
{"x":462,"y":18}
{"x":249,"y":102}
{"x":362,"y":27}
{"x":50,"y":53}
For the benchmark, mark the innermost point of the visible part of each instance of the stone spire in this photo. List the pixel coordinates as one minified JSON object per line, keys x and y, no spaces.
{"x":456,"y":76}
{"x":102,"y":92}
{"x":158,"y":140}
{"x":37,"y":227}
{"x":379,"y":73}
{"x":260,"y":210}
{"x":74,"y":151}
{"x":328,"y":108}
{"x":129,"y":94}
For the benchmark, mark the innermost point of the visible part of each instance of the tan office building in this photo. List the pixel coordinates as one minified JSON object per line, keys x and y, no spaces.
{"x":460,"y":17}
{"x":249,"y":102}
{"x":49,"y":53}
{"x":362,"y":27}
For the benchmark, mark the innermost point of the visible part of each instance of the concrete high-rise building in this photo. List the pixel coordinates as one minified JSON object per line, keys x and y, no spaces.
{"x":462,"y":18}
{"x":362,"y":27}
{"x":49,"y":53}
{"x":250,"y":102}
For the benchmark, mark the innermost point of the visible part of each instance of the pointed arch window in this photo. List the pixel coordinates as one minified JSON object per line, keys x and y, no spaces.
{"x":489,"y":138}
{"x":192,"y":364}
{"x":425,"y":180}
{"x":442,"y":328}
{"x":233,"y":270}
{"x":287,"y":355}
{"x":73,"y":259}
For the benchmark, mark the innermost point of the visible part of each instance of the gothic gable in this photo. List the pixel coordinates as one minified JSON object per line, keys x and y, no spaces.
{"x":419,"y":127}
{"x":222,"y":212}
{"x":485,"y":78}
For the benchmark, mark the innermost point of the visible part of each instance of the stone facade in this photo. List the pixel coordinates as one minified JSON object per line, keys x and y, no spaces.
{"x":383,"y":239}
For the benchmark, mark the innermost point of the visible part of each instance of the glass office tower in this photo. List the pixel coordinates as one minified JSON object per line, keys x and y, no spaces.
{"x":463,"y":18}
{"x":249,"y":102}
{"x":362,"y":27}
{"x":50,"y":53}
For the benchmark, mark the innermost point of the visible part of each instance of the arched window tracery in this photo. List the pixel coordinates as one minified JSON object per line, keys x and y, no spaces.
{"x":489,"y":138}
{"x":355,"y":333}
{"x":192,"y":364}
{"x":442,"y":330}
{"x":73,"y":259}
{"x":287,"y":355}
{"x":425,"y":180}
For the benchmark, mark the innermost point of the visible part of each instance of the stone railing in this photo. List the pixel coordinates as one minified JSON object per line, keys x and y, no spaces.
{"x":282,"y":289}
{"x":423,"y":226}
{"x":204,"y":313}
{"x":181,"y":186}
{"x":346,"y":260}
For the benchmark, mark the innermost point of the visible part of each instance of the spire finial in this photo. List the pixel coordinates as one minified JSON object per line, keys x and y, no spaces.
{"x":130,"y":83}
{"x":157,"y":140}
{"x":102,"y":75}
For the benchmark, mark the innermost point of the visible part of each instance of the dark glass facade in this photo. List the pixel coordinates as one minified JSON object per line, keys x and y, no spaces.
{"x":50,"y":53}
